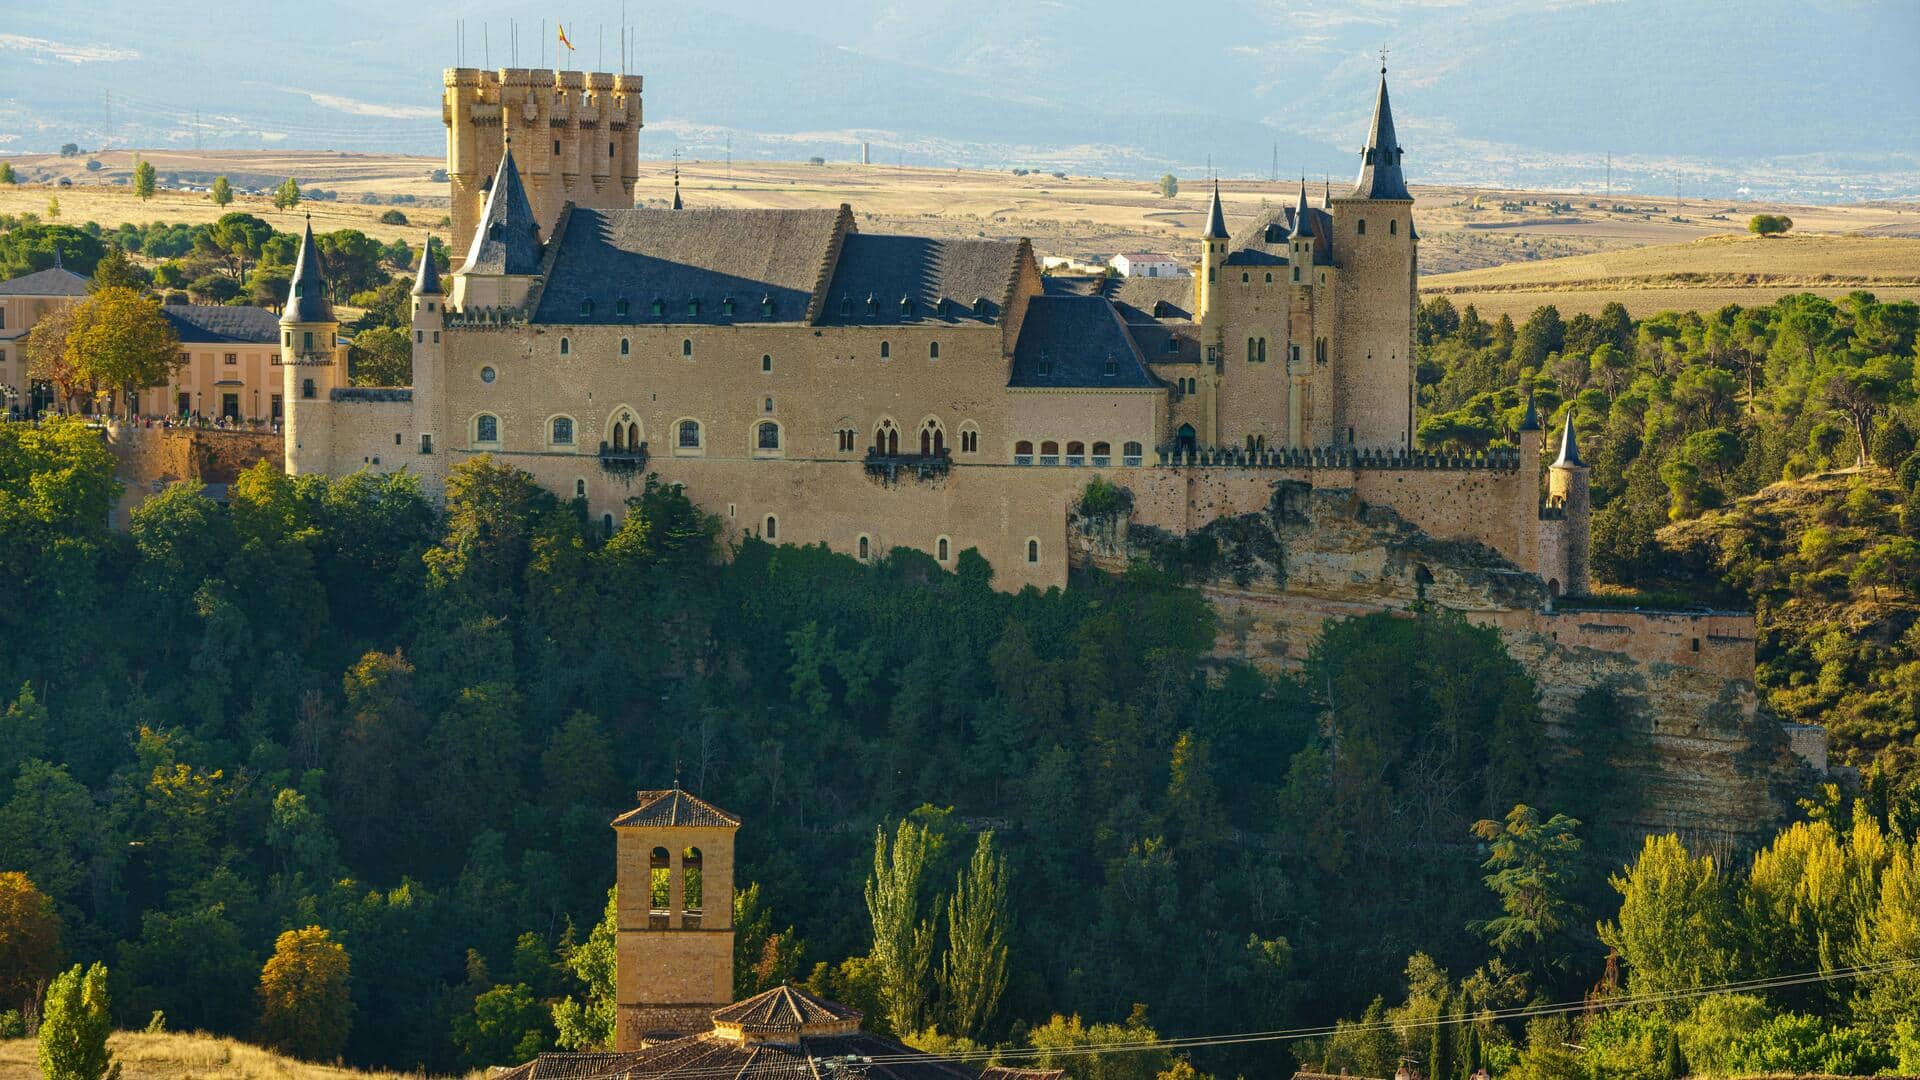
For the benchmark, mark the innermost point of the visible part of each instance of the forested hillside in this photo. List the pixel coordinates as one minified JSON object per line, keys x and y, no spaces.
{"x":1682,"y":417}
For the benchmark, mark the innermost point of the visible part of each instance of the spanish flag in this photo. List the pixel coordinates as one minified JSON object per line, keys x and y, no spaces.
{"x":563,"y":36}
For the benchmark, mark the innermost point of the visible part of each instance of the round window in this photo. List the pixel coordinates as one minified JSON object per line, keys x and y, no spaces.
{"x":486,"y":374}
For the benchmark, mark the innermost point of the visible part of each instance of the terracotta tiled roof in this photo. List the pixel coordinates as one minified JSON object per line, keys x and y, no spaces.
{"x":709,"y":1055}
{"x":674,"y":807}
{"x":785,"y":1008}
{"x":1002,"y":1072}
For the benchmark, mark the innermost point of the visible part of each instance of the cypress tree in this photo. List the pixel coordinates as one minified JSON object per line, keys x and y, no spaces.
{"x":1439,"y":1045}
{"x":74,"y":1030}
{"x":1675,"y":1065}
{"x":1470,"y":1051}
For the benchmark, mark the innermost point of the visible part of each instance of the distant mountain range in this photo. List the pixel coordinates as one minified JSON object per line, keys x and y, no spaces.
{"x":1805,"y":99}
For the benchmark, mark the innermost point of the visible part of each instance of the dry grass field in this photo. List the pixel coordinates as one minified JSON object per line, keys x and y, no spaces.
{"x":1505,"y":248}
{"x":173,"y":1056}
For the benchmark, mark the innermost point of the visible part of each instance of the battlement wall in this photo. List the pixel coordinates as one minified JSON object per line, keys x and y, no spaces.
{"x":1721,"y":642}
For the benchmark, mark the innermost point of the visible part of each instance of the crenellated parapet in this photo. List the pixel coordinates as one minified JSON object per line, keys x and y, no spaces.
{"x":1334,"y":457}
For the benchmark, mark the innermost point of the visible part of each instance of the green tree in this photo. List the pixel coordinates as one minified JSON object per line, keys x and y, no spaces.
{"x":6,"y":173}
{"x":586,"y":1022}
{"x":1064,"y":1042}
{"x":287,"y":195}
{"x":143,"y":180}
{"x":1673,"y":1065}
{"x":30,"y":951}
{"x":505,"y":1027}
{"x":381,"y":356}
{"x":120,"y":339}
{"x":1168,"y":185}
{"x":74,"y":1027}
{"x":1769,"y":224}
{"x":973,"y":973}
{"x":1533,"y":864}
{"x":305,"y":1008}
{"x":902,"y":942}
{"x":221,"y":192}
{"x":1675,"y":929}
{"x":763,"y":957}
{"x":116,"y":271}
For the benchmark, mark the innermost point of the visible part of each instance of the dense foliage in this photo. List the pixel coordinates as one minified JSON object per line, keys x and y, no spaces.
{"x":324,"y":704}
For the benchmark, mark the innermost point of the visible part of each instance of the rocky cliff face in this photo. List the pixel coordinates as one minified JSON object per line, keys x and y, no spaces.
{"x":1710,"y":762}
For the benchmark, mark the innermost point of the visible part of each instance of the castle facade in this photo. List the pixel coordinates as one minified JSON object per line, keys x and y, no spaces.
{"x":809,"y":382}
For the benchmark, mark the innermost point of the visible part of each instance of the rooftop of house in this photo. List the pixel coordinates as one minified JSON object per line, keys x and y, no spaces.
{"x":211,"y":324}
{"x":53,"y":281}
{"x":1077,"y":342}
{"x":674,"y":807}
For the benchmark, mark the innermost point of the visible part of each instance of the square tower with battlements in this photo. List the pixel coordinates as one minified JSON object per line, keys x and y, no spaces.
{"x":575,"y":137}
{"x":674,"y":946}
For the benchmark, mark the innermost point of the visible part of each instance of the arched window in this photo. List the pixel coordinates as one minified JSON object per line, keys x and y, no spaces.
{"x":689,"y":434}
{"x":486,"y":428}
{"x":1393,"y":227}
{"x":560,"y":431}
{"x":863,"y":548}
{"x":1076,"y":453}
{"x":686,"y":346}
{"x":1102,"y":455}
{"x":933,"y":440}
{"x":969,"y":438}
{"x":767,"y":436}
{"x":565,"y":346}
{"x":579,"y":488}
{"x":886,"y":350}
{"x":886,"y":439}
{"x":659,"y":880}
{"x":1130,"y":455}
{"x":773,"y":527}
{"x":1361,"y":228}
{"x":606,"y":525}
{"x":1049,"y":453}
{"x":1187,"y":438}
{"x":933,"y":350}
{"x":766,"y":362}
{"x":1033,"y":551}
{"x":845,"y":437}
{"x":1023,"y":453}
{"x":625,"y":347}
{"x":692,"y":888}
{"x":1244,"y":278}
{"x":940,"y":549}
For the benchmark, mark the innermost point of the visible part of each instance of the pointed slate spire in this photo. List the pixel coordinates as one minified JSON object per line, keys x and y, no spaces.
{"x":1326,"y":193}
{"x":1300,"y":215}
{"x":427,"y":282}
{"x":1216,"y":218}
{"x":307,"y":295}
{"x":1569,"y":452}
{"x":507,"y":240}
{"x":57,"y":264}
{"x":1531,"y":421}
{"x":676,"y":187}
{"x":1380,"y":176}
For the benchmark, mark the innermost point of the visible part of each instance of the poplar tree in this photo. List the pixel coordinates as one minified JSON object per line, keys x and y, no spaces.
{"x":287,"y":195}
{"x":902,"y":943}
{"x":143,"y":180}
{"x":973,"y":973}
{"x":222,"y":192}
{"x":75,"y":1025}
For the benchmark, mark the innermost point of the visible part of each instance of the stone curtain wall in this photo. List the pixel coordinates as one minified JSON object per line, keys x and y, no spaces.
{"x":148,"y":459}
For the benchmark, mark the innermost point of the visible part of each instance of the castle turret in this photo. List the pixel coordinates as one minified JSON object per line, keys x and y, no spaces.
{"x":429,"y":357}
{"x":503,"y":256}
{"x":1567,"y":493}
{"x":1213,"y":255}
{"x":1375,"y":243}
{"x":674,"y":945}
{"x":1301,"y":332}
{"x":313,"y":362}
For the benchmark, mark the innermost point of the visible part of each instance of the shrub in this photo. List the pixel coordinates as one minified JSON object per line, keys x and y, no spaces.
{"x":1102,"y":498}
{"x":1769,"y":224}
{"x":393,"y":217}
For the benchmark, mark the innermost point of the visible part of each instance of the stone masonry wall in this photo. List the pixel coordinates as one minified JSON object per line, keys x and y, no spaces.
{"x":148,"y":459}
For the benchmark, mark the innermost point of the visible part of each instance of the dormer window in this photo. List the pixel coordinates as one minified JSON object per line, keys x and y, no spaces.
{"x":906,"y":307}
{"x":620,"y":307}
{"x":659,"y":307}
{"x":1113,"y":367}
{"x":1173,"y":344}
{"x":586,"y":308}
{"x":726,"y":306}
{"x":873,"y":306}
{"x":1046,"y":366}
{"x":980,"y":306}
{"x":846,"y":307}
{"x":946,"y":307}
{"x":766,"y":306}
{"x":693,"y":305}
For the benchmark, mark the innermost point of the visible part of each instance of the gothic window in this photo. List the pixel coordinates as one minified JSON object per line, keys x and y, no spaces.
{"x":886,"y":350}
{"x":1130,"y":454}
{"x":564,"y":346}
{"x":767,"y":436}
{"x":1033,"y":551}
{"x":1023,"y":453}
{"x":686,"y":346}
{"x":625,"y":347}
{"x":773,"y":527}
{"x":1102,"y":455}
{"x":562,"y":431}
{"x":886,"y":439}
{"x":933,"y":440}
{"x":626,"y":433}
{"x":486,"y":428}
{"x":689,"y":434}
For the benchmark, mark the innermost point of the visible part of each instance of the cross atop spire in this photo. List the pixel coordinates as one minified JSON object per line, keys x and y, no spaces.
{"x":1380,"y":176}
{"x":676,"y":187}
{"x":1216,"y":218}
{"x":307,"y":294}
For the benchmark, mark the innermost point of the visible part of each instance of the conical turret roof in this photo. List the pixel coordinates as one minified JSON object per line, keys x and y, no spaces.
{"x":507,"y":240}
{"x":789,"y":1010}
{"x":427,"y":281}
{"x":1569,"y":451}
{"x":1216,"y":218}
{"x":1380,"y":176}
{"x":1531,"y":421}
{"x":307,"y":294}
{"x":1300,"y":214}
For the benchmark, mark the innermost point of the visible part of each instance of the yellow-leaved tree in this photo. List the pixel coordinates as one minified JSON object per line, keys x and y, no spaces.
{"x":304,"y":1008}
{"x":29,"y":941}
{"x":120,"y":339}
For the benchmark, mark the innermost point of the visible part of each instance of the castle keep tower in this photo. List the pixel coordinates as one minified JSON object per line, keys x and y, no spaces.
{"x":1374,"y":235}
{"x":674,"y":950}
{"x":576,"y":134}
{"x":312,"y":360}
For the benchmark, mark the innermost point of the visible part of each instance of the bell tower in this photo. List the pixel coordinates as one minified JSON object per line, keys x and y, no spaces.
{"x":674,"y":948}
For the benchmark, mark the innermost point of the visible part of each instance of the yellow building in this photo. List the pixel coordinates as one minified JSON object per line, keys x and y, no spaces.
{"x":230,"y":366}
{"x":23,"y":301}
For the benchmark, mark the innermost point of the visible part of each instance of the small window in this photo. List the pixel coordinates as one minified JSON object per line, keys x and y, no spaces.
{"x":1023,"y":453}
{"x":933,"y":350}
{"x":940,"y":549}
{"x":768,"y":405}
{"x":486,"y":429}
{"x":609,"y":149}
{"x":768,"y":436}
{"x":863,"y":548}
{"x":620,"y":307}
{"x":886,"y":350}
{"x":726,"y":306}
{"x":766,"y":362}
{"x":1102,"y":455}
{"x":689,"y":434}
{"x":1076,"y":454}
{"x":426,"y":440}
{"x":562,"y":431}
{"x":1393,"y":227}
{"x":693,"y":305}
{"x":766,"y":307}
{"x":436,"y":337}
{"x":1130,"y":455}
{"x":1296,"y":273}
{"x":579,"y":489}
{"x":1173,"y":344}
{"x":606,"y":529}
{"x":773,"y":527}
{"x":1033,"y":551}
{"x":1270,"y":277}
{"x":625,"y":347}
{"x":556,"y":146}
{"x":1244,"y":278}
{"x":686,"y":346}
{"x":306,"y":340}
{"x":980,"y":306}
{"x":565,"y":346}
{"x":233,"y":358}
{"x":1361,"y":228}
{"x":586,"y":308}
{"x":1049,"y":453}
{"x":419,"y":337}
{"x":1113,"y":367}
{"x":487,"y":375}
{"x":846,"y":307}
{"x":306,"y":388}
{"x":658,"y":307}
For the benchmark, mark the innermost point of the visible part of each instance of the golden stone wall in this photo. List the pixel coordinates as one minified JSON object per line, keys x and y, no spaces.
{"x":1372,"y":345}
{"x":672,"y":969}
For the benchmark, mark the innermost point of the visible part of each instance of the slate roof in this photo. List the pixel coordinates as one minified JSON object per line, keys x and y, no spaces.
{"x":1167,"y":343}
{"x":674,"y":807}
{"x":1216,"y":218}
{"x":675,"y":256}
{"x":200,"y":324}
{"x":1569,"y":449}
{"x":307,"y":293}
{"x":1380,"y":176}
{"x":1266,"y":239}
{"x":1066,"y":342}
{"x":1143,"y":299}
{"x":786,"y":1008}
{"x":53,"y":281}
{"x":1081,"y":284}
{"x":427,"y":281}
{"x":922,"y":271}
{"x":507,"y":240}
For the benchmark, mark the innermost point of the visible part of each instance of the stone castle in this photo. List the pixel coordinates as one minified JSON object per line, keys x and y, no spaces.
{"x":810,"y":383}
